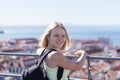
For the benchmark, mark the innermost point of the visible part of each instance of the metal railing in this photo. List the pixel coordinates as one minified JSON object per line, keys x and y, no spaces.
{"x":18,"y":76}
{"x":97,"y":57}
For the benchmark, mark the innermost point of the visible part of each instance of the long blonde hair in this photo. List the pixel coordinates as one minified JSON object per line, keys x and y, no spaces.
{"x":44,"y":40}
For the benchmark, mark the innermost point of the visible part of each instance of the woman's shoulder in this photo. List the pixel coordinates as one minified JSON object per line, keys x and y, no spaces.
{"x":39,"y":51}
{"x":56,"y":55}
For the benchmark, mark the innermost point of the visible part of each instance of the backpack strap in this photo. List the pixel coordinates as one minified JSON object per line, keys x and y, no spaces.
{"x":42,"y":53}
{"x":43,"y":56}
{"x":59,"y":73}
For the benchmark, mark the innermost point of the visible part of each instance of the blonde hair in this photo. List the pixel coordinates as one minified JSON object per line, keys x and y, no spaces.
{"x":44,"y":40}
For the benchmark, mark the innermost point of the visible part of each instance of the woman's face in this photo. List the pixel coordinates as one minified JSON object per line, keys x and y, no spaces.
{"x":57,"y":38}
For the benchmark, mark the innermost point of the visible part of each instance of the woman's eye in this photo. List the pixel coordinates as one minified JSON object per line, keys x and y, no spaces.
{"x":59,"y":36}
{"x":63,"y":36}
{"x":56,"y":35}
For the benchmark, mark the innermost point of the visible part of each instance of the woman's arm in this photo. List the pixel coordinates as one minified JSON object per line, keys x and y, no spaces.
{"x":58,"y":59}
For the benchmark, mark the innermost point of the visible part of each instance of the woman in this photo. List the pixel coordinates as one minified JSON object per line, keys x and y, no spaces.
{"x":56,"y":37}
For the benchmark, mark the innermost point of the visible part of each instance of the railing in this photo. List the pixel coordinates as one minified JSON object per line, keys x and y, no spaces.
{"x":18,"y":76}
{"x":97,"y":57}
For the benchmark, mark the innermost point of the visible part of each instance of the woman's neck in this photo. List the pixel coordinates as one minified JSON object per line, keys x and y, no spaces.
{"x":52,"y":48}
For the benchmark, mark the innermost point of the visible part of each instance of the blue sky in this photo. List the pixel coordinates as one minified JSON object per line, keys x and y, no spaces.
{"x":40,"y":12}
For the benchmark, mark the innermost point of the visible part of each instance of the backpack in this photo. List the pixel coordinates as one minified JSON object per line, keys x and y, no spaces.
{"x":37,"y":72}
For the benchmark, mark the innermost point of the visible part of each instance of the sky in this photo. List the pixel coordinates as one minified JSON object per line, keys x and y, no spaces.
{"x":40,"y":12}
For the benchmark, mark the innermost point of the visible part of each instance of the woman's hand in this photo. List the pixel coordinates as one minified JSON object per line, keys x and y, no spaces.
{"x":81,"y":53}
{"x":82,"y":57}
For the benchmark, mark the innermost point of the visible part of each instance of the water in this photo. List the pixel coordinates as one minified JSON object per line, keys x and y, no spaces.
{"x":82,"y":32}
